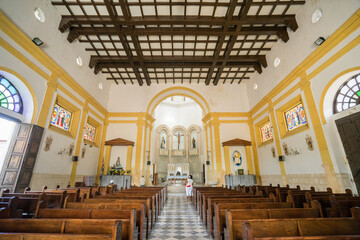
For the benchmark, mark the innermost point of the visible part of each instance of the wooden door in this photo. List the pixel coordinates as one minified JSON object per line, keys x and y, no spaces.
{"x":349,"y":130}
{"x":20,"y":160}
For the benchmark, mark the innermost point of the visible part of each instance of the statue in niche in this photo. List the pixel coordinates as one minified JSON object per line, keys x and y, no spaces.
{"x":163,"y":143}
{"x":193,"y":143}
{"x":118,"y":165}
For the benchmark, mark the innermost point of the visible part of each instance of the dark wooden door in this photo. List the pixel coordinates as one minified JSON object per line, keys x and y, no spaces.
{"x":349,"y":130}
{"x":20,"y":160}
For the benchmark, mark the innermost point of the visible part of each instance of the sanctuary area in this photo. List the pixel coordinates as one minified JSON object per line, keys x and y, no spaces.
{"x":112,"y":111}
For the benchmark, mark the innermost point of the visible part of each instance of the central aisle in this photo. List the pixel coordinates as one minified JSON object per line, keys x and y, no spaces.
{"x":178,"y":219}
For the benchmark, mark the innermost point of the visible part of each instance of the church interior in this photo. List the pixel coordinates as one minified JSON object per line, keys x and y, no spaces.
{"x":112,"y":111}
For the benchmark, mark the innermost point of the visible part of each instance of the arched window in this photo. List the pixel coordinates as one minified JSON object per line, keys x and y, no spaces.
{"x":348,"y":94}
{"x":9,"y":96}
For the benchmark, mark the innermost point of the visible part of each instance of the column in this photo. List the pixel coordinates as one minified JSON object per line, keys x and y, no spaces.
{"x":78,"y":143}
{"x":148,"y":182}
{"x":107,"y":158}
{"x":219,"y":170}
{"x":207,"y":155}
{"x":331,"y":180}
{"x":129,"y":157}
{"x":277,"y":143}
{"x":139,"y":137}
{"x":227,"y":160}
{"x":101,"y":154}
{"x":144,"y":153}
{"x":46,"y":106}
{"x":254,"y":150}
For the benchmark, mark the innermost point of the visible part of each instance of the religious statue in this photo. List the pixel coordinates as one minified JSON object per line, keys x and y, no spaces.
{"x":118,"y":165}
{"x":48,"y":142}
{"x":163,"y":143}
{"x":193,"y":143}
{"x":178,"y":136}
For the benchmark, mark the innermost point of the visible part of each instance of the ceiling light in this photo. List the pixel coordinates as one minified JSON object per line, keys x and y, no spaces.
{"x":79,"y":61}
{"x":255,"y":86}
{"x":37,"y":41}
{"x":100,"y":86}
{"x":276,"y":62}
{"x":316,"y":16}
{"x":319,"y":41}
{"x":39,"y":15}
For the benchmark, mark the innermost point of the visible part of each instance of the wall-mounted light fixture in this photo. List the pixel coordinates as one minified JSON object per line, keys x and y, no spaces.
{"x":319,"y":41}
{"x":37,"y":41}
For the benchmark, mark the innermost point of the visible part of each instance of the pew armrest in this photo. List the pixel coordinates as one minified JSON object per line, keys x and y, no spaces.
{"x":247,"y":232}
{"x":117,"y":230}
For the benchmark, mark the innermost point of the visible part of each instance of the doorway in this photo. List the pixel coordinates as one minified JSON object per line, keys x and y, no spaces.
{"x":7,"y":128}
{"x":349,"y":130}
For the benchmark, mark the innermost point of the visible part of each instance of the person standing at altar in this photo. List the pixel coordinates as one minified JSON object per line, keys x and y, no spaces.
{"x":189,"y":189}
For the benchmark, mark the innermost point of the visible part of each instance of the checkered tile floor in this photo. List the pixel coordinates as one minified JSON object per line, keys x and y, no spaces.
{"x":178,"y":219}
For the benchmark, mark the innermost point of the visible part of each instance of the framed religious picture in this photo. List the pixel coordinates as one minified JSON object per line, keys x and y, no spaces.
{"x":240,"y":172}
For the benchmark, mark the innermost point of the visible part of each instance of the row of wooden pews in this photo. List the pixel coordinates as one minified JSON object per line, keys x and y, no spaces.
{"x":81,"y":213}
{"x":274,"y":212}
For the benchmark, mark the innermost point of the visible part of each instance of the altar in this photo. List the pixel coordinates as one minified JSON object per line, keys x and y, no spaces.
{"x":174,"y":179}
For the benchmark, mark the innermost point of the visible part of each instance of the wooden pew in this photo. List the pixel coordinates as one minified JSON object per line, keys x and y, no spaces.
{"x":60,"y":229}
{"x":21,"y":206}
{"x":310,"y":228}
{"x":141,"y":219}
{"x":128,"y":217}
{"x":213,"y":200}
{"x":219,"y":219}
{"x":340,"y":206}
{"x":52,"y":200}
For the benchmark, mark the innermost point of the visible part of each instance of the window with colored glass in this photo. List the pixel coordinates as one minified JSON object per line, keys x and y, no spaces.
{"x":295,"y":117}
{"x":90,"y":131}
{"x":266,"y":133}
{"x":9,"y":96}
{"x":348,"y":94}
{"x":61,"y":118}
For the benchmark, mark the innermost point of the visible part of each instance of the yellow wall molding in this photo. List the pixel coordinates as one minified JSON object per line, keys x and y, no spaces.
{"x":219,"y":168}
{"x":10,"y":29}
{"x":339,"y":35}
{"x":177,"y":94}
{"x":212,"y":153}
{"x":123,"y":121}
{"x":70,"y":95}
{"x":229,"y":114}
{"x":148,"y":167}
{"x":328,"y":85}
{"x":144,"y":150}
{"x":335,"y":57}
{"x":207,"y":154}
{"x":233,"y":121}
{"x":320,"y":136}
{"x":27,"y":84}
{"x":254,"y":150}
{"x":46,"y":106}
{"x":93,"y":112}
{"x":78,"y":144}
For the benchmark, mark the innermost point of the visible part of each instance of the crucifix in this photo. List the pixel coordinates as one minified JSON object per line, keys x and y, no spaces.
{"x":178,"y":135}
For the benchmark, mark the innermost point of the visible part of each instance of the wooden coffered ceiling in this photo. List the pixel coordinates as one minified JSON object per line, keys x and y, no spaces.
{"x":177,"y":41}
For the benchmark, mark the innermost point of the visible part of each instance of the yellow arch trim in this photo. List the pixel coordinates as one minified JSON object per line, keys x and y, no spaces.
{"x":328,"y":85}
{"x":31,"y":90}
{"x":178,"y":94}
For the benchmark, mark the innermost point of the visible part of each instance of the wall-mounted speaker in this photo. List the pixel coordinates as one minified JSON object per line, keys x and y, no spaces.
{"x":207,"y":162}
{"x":75,"y":158}
{"x":281,"y":158}
{"x":148,"y":162}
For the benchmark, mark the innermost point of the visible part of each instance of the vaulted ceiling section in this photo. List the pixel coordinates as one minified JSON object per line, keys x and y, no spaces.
{"x":177,"y":41}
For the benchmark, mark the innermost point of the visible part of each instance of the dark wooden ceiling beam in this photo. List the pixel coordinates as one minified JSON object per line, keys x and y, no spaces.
{"x":281,"y":32}
{"x":68,"y":21}
{"x":242,"y":15}
{"x":101,"y":65}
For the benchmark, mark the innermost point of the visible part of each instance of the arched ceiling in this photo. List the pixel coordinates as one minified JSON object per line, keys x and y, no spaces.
{"x":186,"y":41}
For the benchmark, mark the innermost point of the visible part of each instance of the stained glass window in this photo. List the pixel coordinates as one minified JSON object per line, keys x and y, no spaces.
{"x":9,"y":96}
{"x":295,"y":117}
{"x":90,"y":132}
{"x":266,"y":133}
{"x":61,"y":118}
{"x":348,"y":94}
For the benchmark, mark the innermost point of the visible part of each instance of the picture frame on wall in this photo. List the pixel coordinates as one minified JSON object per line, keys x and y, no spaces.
{"x":240,"y":172}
